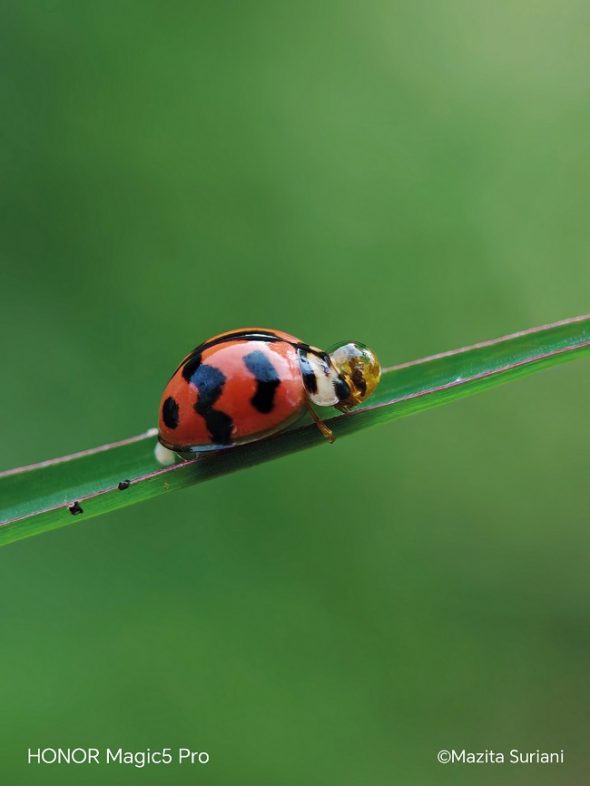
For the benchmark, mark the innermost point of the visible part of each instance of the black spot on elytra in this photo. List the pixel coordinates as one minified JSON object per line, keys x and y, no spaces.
{"x":124,"y":484}
{"x":75,"y":508}
{"x":209,"y":381}
{"x":191,"y":365}
{"x":170,"y":412}
{"x":267,"y":380}
{"x":309,"y":378}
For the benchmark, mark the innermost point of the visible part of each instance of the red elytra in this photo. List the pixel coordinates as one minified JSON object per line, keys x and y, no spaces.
{"x":236,"y":387}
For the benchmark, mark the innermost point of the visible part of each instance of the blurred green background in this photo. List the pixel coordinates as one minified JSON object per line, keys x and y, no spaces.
{"x":412,"y":175}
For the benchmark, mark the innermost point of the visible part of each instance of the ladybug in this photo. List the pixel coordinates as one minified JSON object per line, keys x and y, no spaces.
{"x":243,"y":385}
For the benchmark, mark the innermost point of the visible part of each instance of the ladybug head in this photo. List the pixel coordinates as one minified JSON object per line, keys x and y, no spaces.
{"x":359,"y":368}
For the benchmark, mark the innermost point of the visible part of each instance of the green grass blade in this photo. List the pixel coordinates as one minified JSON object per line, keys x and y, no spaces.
{"x":38,"y":498}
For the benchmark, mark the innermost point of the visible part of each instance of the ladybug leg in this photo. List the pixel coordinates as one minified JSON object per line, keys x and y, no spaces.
{"x":326,"y":432}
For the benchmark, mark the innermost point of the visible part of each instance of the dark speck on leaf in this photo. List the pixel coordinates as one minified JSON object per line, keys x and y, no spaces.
{"x":124,"y":484}
{"x":75,"y":508}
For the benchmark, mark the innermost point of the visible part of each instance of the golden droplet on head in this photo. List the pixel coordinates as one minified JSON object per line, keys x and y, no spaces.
{"x":359,"y":367}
